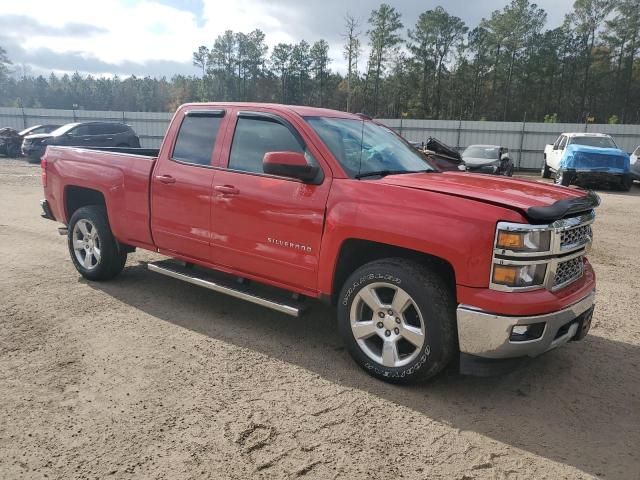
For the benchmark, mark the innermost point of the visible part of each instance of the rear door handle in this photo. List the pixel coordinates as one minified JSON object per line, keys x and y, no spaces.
{"x":226,"y":189}
{"x":165,"y":179}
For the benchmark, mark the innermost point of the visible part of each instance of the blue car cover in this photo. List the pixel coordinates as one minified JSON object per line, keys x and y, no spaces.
{"x":608,"y":160}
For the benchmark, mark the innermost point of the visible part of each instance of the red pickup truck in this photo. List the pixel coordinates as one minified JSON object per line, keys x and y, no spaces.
{"x":275,"y":204}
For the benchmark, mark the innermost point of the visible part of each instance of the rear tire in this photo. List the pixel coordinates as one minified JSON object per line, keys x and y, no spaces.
{"x":545,"y":172}
{"x":94,"y":251}
{"x":397,"y":320}
{"x":33,"y":160}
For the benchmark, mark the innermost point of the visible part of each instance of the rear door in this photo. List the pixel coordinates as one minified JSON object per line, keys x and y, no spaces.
{"x":181,"y":186}
{"x":266,"y":225}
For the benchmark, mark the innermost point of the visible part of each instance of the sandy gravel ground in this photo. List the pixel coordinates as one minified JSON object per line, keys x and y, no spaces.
{"x":147,"y":377}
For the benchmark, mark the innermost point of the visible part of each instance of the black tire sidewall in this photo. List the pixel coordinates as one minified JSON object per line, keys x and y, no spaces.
{"x":112,"y":259}
{"x":436,"y":351}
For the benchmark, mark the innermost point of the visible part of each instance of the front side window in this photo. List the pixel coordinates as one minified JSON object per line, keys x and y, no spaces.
{"x":563,"y":143}
{"x":256,"y":136}
{"x":196,"y":139}
{"x":364,"y":148}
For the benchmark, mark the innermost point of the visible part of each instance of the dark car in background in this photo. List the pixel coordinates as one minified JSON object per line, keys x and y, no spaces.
{"x":11,"y":139}
{"x":86,"y":134}
{"x":491,"y":159}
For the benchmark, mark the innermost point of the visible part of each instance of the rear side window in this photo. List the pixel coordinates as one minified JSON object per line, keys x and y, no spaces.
{"x":254,"y":137}
{"x":196,"y":139}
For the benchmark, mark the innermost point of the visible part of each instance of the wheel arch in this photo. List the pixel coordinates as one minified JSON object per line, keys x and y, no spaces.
{"x":355,"y":252}
{"x":76,"y":197}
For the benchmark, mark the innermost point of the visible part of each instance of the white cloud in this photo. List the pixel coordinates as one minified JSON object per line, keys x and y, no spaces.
{"x":144,"y":32}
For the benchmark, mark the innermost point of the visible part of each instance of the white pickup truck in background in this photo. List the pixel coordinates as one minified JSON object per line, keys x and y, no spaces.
{"x":586,"y":157}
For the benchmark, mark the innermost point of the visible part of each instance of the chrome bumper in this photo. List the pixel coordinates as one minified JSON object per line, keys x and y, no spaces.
{"x":488,"y":335}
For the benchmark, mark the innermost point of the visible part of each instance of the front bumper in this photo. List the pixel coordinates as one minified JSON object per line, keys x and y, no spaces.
{"x":488,"y":335}
{"x":36,"y":151}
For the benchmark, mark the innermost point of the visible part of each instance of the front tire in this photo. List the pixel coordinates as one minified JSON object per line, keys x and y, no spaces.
{"x":397,"y":320}
{"x":626,"y":183}
{"x":94,"y":251}
{"x":563,"y":178}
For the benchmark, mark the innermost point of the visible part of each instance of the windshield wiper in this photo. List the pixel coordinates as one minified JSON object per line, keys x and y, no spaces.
{"x":384,"y":173}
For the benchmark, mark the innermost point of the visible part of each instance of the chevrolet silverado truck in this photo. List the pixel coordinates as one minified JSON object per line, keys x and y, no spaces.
{"x":587,"y":158}
{"x":279,"y":205}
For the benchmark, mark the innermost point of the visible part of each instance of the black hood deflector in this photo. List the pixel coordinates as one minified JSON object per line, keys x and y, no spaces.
{"x":563,"y":208}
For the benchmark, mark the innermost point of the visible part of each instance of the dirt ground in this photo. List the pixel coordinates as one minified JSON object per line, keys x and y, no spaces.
{"x":147,"y":377}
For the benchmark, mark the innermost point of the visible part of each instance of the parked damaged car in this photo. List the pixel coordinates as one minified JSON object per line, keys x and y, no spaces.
{"x":441,"y":155}
{"x":491,"y":159}
{"x":87,"y":134}
{"x":587,"y":158}
{"x":11,"y":139}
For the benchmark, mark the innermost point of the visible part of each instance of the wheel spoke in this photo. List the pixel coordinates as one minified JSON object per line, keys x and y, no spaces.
{"x":369,"y":296}
{"x":401,"y":300}
{"x":389,"y":353}
{"x":78,"y":244}
{"x":96,"y":254}
{"x":413,"y":335}
{"x":82,"y":225}
{"x":362,"y":330}
{"x":87,"y":260}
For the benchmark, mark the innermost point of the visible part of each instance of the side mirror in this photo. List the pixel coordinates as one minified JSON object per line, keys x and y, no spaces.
{"x":289,"y":164}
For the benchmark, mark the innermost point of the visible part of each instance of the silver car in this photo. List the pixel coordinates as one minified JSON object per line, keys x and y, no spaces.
{"x":635,"y":164}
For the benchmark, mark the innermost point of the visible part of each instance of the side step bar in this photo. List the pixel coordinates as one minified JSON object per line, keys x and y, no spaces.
{"x":201,"y":278}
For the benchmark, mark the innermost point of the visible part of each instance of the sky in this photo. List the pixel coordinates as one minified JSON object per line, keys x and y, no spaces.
{"x":157,"y":37}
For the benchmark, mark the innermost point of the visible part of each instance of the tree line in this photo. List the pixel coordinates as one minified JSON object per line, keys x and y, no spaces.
{"x":508,"y":67}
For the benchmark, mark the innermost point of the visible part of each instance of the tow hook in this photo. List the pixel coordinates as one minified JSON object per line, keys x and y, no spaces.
{"x":63,"y":230}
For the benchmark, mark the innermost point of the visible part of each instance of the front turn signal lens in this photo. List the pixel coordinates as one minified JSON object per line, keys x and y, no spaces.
{"x":510,"y":240}
{"x":518,"y":276}
{"x":524,"y":241}
{"x":504,"y":275}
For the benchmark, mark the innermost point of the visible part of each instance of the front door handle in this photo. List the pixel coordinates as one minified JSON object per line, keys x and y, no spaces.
{"x":165,"y":179}
{"x":226,"y":189}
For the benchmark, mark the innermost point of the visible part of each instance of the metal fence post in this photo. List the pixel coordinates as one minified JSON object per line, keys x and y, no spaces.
{"x":24,"y":117}
{"x":522,"y":134}
{"x":459,"y":132}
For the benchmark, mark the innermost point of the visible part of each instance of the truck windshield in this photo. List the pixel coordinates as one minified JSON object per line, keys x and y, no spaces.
{"x":364,"y":147}
{"x":601,"y":142}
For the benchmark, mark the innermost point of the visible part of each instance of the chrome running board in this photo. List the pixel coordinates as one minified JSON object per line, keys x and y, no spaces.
{"x":207,"y":279}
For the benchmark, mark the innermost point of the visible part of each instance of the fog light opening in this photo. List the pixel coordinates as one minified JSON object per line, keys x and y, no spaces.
{"x":526,"y":333}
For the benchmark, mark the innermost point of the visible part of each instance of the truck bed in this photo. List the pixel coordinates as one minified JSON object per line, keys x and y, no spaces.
{"x":122,"y":177}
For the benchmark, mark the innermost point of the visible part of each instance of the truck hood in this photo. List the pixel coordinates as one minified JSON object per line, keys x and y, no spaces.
{"x":538,"y":201}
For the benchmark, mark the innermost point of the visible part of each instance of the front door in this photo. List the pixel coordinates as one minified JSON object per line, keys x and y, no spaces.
{"x":181,"y":188}
{"x":265,"y":225}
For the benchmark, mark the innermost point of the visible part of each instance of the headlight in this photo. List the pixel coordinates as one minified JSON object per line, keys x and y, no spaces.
{"x":524,"y":241}
{"x":518,"y":276}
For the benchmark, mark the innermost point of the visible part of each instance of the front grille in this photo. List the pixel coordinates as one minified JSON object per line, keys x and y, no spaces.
{"x":595,"y":160}
{"x":575,"y":236}
{"x":568,"y":271}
